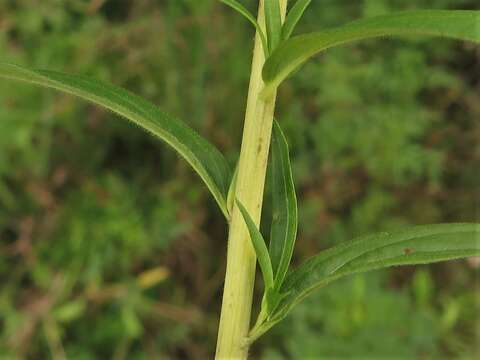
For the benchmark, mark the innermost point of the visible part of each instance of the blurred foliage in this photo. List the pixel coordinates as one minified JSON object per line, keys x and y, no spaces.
{"x":110,"y":247}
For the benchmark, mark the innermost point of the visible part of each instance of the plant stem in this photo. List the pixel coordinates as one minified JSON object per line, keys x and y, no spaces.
{"x":241,"y":259}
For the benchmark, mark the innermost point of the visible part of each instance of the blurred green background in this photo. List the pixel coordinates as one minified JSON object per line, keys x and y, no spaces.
{"x":111,"y":247}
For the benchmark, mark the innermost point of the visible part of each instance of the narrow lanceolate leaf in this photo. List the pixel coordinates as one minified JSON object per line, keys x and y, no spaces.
{"x":248,"y":15}
{"x":456,"y":24}
{"x":284,"y":213}
{"x":293,"y":17}
{"x":207,"y":161}
{"x":416,"y":245}
{"x":260,"y":247}
{"x":273,"y":22}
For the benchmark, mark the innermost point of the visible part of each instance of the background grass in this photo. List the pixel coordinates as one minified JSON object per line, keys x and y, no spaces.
{"x":110,"y":247}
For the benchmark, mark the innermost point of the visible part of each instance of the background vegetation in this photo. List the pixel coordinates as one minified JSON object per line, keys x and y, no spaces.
{"x":110,"y":247}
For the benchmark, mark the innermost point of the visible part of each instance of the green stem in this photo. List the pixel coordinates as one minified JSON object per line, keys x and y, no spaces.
{"x":241,"y":260}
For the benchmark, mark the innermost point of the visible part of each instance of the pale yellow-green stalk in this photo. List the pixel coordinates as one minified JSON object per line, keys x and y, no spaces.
{"x":241,"y":259}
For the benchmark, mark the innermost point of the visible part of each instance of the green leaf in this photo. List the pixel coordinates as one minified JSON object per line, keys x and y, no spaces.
{"x":284,"y":213}
{"x":293,"y":17}
{"x":456,"y":24}
{"x":260,"y":247}
{"x":207,"y":161}
{"x":231,"y":191}
{"x":248,"y":15}
{"x":273,"y":22}
{"x":416,"y":245}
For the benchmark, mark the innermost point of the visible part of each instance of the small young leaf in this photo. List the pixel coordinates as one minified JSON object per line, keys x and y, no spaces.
{"x":248,"y":15}
{"x":284,"y":214}
{"x":293,"y":17}
{"x":273,"y":22}
{"x":416,"y":245}
{"x":260,"y":247}
{"x":205,"y":159}
{"x":456,"y":24}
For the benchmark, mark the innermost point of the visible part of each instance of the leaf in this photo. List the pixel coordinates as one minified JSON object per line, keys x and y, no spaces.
{"x":456,"y":24}
{"x":248,"y":15}
{"x":260,"y":247}
{"x":231,"y":191}
{"x":273,"y":22}
{"x":284,"y":213}
{"x":293,"y":17}
{"x":416,"y":245}
{"x":207,"y":161}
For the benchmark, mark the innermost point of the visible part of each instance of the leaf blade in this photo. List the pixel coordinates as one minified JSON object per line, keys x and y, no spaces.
{"x":249,"y":16}
{"x":285,"y":212}
{"x":293,"y":17}
{"x":456,"y":24}
{"x":206,"y":160}
{"x":259,"y":246}
{"x":422,"y":244}
{"x":231,"y":191}
{"x":273,"y":23}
